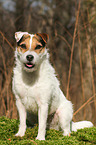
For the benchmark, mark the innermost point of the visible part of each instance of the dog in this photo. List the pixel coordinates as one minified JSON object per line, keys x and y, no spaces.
{"x":37,"y":89}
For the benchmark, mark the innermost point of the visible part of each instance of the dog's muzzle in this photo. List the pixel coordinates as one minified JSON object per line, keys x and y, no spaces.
{"x":29,"y":63}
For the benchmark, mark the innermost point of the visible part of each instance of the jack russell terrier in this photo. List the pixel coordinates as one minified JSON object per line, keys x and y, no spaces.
{"x":37,"y":89}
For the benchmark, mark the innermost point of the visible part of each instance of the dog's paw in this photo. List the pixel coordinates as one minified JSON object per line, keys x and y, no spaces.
{"x":40,"y":138}
{"x":19,"y":134}
{"x":21,"y":131}
{"x":66,"y":133}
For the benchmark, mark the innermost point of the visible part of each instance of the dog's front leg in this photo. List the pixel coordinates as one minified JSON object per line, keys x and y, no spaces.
{"x":42,"y":116}
{"x":22,"y":116}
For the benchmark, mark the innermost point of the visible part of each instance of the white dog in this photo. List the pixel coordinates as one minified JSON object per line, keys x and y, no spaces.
{"x":37,"y":90}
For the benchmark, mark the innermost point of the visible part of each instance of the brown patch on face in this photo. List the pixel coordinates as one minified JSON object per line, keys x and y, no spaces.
{"x":37,"y":45}
{"x":44,"y":36}
{"x":24,"y":44}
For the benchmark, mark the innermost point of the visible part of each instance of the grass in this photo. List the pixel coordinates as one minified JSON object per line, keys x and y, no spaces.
{"x":8,"y":127}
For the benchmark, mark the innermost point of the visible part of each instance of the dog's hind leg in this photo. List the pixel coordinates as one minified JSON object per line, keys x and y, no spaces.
{"x":65,"y":114}
{"x":53,"y":123}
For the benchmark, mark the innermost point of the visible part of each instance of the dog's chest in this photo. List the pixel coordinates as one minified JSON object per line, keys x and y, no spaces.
{"x":30,"y":94}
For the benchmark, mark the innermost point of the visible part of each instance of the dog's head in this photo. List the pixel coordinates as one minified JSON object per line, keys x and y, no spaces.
{"x":30,"y":49}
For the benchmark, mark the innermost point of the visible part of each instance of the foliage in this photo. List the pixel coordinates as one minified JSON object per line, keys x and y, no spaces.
{"x":8,"y":128}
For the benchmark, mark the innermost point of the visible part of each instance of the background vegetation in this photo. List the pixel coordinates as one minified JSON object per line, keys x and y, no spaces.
{"x":71,"y":26}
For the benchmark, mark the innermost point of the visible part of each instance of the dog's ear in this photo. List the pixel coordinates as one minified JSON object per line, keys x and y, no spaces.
{"x":18,"y":35}
{"x":44,"y":36}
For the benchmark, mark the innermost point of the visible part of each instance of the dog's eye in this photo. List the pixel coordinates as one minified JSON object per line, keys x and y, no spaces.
{"x":38,"y":47}
{"x":23,"y":46}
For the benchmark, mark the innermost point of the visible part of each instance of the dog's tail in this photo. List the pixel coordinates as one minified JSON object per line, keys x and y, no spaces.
{"x":80,"y":125}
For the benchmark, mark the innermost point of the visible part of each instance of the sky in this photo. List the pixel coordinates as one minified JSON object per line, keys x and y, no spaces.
{"x":8,"y":4}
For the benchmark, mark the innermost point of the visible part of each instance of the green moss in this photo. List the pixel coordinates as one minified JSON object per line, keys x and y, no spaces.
{"x":8,"y":128}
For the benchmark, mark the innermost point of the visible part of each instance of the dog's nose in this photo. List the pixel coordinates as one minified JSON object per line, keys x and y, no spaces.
{"x":29,"y":57}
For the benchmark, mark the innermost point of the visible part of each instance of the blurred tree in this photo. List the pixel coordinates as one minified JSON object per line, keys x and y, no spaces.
{"x":22,"y":10}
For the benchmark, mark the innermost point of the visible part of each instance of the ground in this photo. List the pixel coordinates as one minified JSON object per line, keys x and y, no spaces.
{"x":8,"y":128}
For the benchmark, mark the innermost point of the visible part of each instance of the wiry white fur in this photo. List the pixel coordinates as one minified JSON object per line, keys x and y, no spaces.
{"x":81,"y":125}
{"x":31,"y":41}
{"x":38,"y":91}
